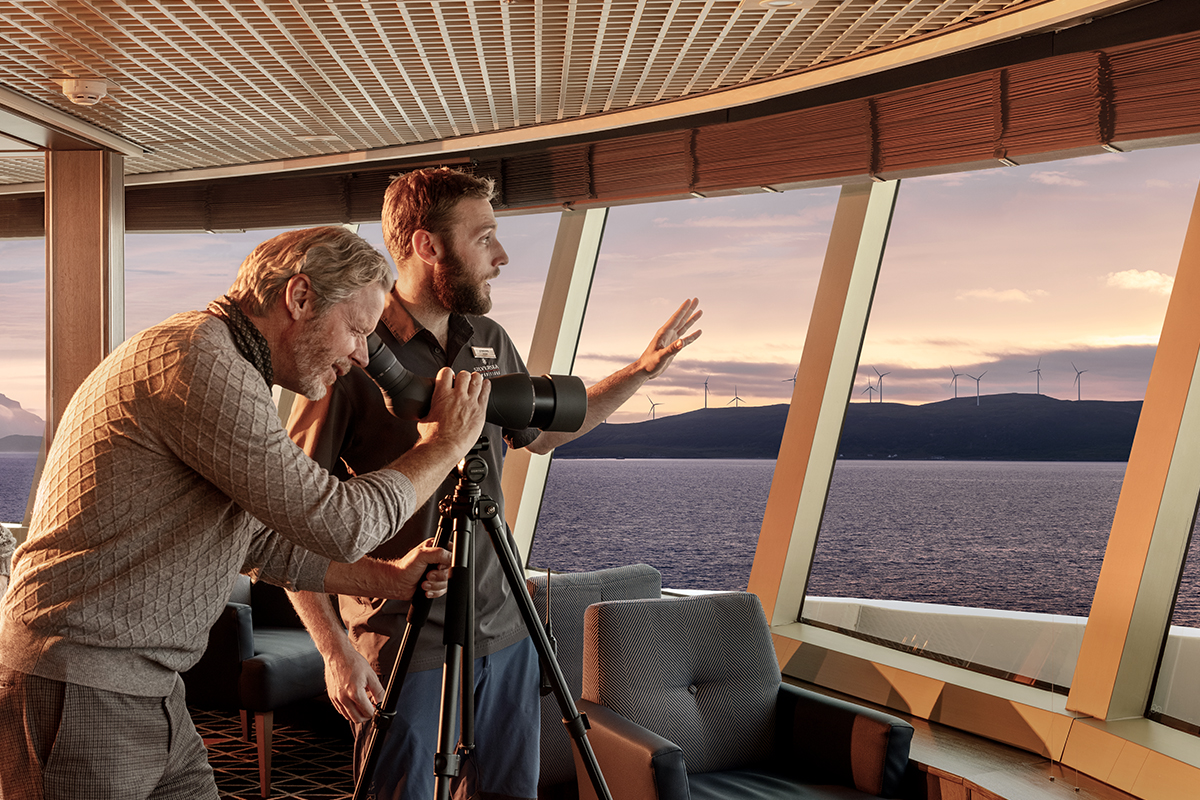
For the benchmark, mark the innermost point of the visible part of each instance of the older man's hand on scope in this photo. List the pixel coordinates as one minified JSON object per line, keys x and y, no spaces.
{"x":458,"y":409}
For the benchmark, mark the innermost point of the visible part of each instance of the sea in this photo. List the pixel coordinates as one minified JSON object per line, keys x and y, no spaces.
{"x":16,"y":476}
{"x":1016,"y":536}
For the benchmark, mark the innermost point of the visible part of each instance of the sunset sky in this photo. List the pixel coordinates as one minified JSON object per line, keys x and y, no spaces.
{"x":993,"y":271}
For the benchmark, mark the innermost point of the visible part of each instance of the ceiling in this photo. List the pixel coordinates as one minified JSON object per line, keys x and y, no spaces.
{"x":197,"y":86}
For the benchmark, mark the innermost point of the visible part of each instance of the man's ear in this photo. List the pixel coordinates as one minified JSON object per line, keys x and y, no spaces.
{"x":428,"y":246}
{"x":299,"y":296}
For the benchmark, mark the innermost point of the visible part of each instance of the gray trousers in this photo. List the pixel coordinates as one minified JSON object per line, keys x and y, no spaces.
{"x":63,"y":741}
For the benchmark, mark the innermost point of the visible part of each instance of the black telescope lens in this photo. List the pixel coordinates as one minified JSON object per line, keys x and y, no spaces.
{"x":517,"y":401}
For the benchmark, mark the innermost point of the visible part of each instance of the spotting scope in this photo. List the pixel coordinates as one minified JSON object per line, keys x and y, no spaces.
{"x":517,"y":401}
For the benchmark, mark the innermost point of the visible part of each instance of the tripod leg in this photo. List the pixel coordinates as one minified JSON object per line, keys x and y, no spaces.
{"x":418,"y":614}
{"x":575,"y":722}
{"x":457,"y":633}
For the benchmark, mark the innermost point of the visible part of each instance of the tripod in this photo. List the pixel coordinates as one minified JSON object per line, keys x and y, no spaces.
{"x":456,"y":527}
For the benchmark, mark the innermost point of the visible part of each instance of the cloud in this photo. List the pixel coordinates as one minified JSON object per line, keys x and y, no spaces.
{"x":758,"y":221}
{"x":1056,"y":178}
{"x":1158,"y":183}
{"x":1003,"y":295}
{"x":1146,"y":280}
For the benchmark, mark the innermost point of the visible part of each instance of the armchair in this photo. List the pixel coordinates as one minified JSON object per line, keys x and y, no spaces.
{"x":570,"y":593}
{"x":259,"y":659}
{"x":685,"y":700}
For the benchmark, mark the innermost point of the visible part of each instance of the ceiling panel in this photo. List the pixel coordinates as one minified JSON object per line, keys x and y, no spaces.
{"x":214,"y":83}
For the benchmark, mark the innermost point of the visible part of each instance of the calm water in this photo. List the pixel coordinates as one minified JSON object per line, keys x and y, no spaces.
{"x":16,"y":476}
{"x":1019,"y":536}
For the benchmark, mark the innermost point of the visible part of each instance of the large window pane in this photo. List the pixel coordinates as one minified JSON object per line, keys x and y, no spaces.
{"x":1010,"y":342}
{"x":754,"y":262}
{"x":22,"y":370}
{"x":1176,"y":697}
{"x":517,"y":293}
{"x":167,"y":273}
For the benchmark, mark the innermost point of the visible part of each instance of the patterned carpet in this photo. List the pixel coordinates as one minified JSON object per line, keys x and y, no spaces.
{"x":307,"y":764}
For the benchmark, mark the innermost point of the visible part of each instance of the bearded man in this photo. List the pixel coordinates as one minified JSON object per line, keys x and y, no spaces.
{"x":439,"y":226}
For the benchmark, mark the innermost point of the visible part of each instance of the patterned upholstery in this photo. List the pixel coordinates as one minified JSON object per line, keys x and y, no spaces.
{"x":700,"y":671}
{"x":685,"y":700}
{"x":570,"y":594}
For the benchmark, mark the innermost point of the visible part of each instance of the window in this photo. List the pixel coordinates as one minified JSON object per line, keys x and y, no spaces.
{"x":1010,"y":341}
{"x":23,"y":367}
{"x":1176,"y":701}
{"x":678,"y":477}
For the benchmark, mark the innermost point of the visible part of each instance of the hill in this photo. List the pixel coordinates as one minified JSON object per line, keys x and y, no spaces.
{"x":1012,"y":427}
{"x":16,"y":421}
{"x":20,"y":444}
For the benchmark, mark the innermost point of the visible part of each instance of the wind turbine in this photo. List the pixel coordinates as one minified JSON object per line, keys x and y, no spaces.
{"x":954,"y":381}
{"x":652,"y":406}
{"x":792,"y":380}
{"x":1078,"y":382}
{"x":1039,"y":376}
{"x":880,"y":374}
{"x":706,"y":393}
{"x":870,"y":388}
{"x":735,"y":399}
{"x":972,"y":377}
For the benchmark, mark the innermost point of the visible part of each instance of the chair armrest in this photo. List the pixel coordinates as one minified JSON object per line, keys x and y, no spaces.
{"x":637,"y":763}
{"x":213,"y":681}
{"x":832,"y":741}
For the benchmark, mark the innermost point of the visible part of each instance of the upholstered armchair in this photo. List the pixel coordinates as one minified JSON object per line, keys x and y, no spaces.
{"x":685,"y":700}
{"x":570,"y":593}
{"x":259,"y":659}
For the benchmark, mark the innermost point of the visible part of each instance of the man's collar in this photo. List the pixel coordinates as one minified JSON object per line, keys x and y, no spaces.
{"x":398,"y":319}
{"x":404,"y":326}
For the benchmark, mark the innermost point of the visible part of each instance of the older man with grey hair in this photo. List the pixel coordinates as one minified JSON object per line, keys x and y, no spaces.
{"x":168,"y":475}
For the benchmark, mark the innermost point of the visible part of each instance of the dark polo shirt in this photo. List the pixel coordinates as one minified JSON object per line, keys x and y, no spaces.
{"x":350,"y":432}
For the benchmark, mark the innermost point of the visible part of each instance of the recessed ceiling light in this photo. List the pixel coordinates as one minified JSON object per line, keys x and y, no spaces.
{"x":322,"y":137}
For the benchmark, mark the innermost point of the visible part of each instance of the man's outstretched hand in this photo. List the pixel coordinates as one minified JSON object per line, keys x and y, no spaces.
{"x":671,"y":338}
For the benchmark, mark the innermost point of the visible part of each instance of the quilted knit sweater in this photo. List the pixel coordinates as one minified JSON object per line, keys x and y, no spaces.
{"x":169,"y":474}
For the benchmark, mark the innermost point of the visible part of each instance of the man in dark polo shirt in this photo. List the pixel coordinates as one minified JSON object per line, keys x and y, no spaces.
{"x":439,"y":226}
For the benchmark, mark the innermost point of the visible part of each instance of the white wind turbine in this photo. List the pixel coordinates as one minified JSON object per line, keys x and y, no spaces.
{"x":1039,"y":376}
{"x":880,"y":374}
{"x":1078,"y":381}
{"x":954,"y":381}
{"x":870,"y":388}
{"x":972,"y":377}
{"x":653,"y":405}
{"x":735,"y":399}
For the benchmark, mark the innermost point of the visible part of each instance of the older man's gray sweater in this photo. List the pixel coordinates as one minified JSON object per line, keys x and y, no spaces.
{"x":169,"y":474}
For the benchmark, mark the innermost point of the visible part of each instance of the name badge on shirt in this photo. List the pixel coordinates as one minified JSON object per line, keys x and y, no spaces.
{"x":483,"y":352}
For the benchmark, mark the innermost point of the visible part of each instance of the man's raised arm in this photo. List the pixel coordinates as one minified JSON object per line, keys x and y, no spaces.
{"x":609,"y":394}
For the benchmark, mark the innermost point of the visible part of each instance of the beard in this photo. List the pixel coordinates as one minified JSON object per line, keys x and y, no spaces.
{"x":455,"y":291}
{"x":312,"y":358}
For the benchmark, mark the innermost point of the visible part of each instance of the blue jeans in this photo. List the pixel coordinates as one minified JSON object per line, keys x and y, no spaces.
{"x":507,"y":732}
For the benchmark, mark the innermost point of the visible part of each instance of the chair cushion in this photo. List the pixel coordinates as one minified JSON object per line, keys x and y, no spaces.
{"x":570,"y":594}
{"x":699,"y":671}
{"x":761,"y":784}
{"x":286,"y":667}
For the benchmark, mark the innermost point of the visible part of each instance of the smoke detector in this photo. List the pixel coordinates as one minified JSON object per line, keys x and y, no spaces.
{"x":85,"y":92}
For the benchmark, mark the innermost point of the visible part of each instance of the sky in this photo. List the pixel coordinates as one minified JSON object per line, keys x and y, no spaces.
{"x":1061,"y":266}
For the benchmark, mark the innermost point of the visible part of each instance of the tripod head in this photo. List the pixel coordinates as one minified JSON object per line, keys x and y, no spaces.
{"x":473,"y":468}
